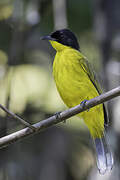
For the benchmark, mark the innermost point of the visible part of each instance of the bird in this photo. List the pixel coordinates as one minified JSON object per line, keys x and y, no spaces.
{"x":76,"y":83}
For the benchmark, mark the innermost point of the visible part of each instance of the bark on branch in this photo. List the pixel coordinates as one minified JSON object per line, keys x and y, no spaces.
{"x":19,"y":135}
{"x":25,"y":123}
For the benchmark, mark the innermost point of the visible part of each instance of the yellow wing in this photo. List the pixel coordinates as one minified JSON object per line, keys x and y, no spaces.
{"x":92,"y":76}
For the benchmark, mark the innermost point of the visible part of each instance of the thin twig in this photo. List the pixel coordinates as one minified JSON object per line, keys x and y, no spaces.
{"x":19,"y":135}
{"x":17,"y":117}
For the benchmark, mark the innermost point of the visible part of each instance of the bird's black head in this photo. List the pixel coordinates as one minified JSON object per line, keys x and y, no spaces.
{"x":65,"y":37}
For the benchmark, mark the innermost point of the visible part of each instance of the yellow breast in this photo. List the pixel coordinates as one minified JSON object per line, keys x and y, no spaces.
{"x":71,"y":80}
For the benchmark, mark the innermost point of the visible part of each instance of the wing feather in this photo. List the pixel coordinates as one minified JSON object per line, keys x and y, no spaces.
{"x":92,"y":76}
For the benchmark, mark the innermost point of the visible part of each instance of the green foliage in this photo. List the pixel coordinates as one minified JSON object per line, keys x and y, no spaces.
{"x":6,"y":9}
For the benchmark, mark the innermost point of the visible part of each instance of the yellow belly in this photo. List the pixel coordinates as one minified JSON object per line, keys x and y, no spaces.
{"x":74,"y":86}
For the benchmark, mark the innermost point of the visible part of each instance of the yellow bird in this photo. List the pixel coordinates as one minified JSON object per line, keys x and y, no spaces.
{"x":77,"y":83}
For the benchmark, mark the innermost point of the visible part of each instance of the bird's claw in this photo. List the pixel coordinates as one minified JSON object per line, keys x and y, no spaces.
{"x":58,"y":116}
{"x":83,"y":104}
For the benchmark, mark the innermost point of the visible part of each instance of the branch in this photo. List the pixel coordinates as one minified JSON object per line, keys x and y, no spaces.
{"x":19,"y":135}
{"x":17,"y":117}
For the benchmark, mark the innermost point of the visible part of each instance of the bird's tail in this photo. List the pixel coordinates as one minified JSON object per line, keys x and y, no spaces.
{"x":104,"y":155}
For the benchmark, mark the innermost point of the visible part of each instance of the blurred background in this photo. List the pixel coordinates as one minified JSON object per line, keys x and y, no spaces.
{"x":64,"y":152}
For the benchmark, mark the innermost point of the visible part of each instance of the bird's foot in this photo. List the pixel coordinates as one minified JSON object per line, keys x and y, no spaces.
{"x":83,"y":104}
{"x":58,"y":116}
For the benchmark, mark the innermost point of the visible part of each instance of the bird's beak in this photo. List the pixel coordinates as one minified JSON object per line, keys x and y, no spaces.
{"x":47,"y":38}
